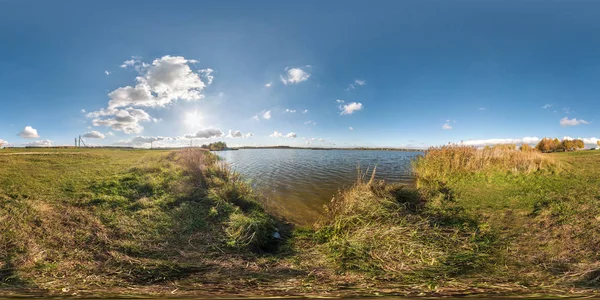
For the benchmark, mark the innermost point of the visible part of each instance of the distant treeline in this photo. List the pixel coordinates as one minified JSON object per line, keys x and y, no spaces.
{"x":555,"y":145}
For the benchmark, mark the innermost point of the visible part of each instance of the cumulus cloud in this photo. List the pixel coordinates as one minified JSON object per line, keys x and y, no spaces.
{"x":110,"y":133}
{"x":588,"y":141}
{"x":564,"y":122}
{"x":489,"y":142}
{"x":29,"y":133}
{"x":83,"y":111}
{"x":238,"y":134}
{"x":310,"y":122}
{"x":266,"y":115}
{"x":3,"y":142}
{"x":106,"y":72}
{"x":255,"y":118}
{"x":269,"y":84}
{"x":350,"y":128}
{"x":165,"y":80}
{"x":93,"y":135}
{"x":547,"y":106}
{"x":339,"y":101}
{"x":350,"y":108}
{"x":294,"y":76}
{"x":160,"y":83}
{"x":482,"y":108}
{"x":205,"y":133}
{"x":446,"y":126}
{"x":42,"y":143}
{"x":140,"y":140}
{"x":277,"y":134}
{"x":290,"y":110}
{"x":305,"y":111}
{"x":143,"y":140}
{"x":126,"y":120}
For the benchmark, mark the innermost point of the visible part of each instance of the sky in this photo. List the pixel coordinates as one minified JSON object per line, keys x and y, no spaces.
{"x":302,"y":73}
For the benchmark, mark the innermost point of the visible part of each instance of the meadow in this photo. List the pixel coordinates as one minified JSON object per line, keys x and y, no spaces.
{"x":158,"y":222}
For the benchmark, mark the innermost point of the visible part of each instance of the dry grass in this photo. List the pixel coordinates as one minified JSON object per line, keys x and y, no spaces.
{"x":388,"y":231}
{"x":440,"y":164}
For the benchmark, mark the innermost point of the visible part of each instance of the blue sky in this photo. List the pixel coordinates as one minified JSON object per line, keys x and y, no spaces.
{"x":410,"y":73}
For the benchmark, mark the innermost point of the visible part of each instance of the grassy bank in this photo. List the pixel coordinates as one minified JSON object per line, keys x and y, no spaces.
{"x":82,"y":221}
{"x":76,"y":220}
{"x":496,"y":219}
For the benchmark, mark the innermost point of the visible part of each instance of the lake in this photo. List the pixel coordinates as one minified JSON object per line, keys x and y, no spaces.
{"x":297,"y":183}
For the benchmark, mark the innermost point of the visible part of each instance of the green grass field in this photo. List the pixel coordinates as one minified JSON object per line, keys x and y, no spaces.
{"x":107,"y":221}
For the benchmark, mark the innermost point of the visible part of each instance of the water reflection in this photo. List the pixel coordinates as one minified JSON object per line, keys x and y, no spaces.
{"x":297,"y":183}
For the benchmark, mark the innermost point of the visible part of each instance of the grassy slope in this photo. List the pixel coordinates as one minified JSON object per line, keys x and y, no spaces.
{"x":129,"y":220}
{"x":484,"y":231}
{"x":144,"y":221}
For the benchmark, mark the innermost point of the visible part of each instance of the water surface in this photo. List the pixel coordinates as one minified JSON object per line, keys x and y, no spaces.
{"x":297,"y":183}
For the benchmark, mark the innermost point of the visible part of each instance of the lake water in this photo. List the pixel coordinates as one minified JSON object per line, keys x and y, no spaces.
{"x":297,"y":183}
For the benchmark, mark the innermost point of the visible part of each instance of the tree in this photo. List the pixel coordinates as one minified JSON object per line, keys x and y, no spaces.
{"x":217,"y":146}
{"x":527,"y":148}
{"x":546,"y":145}
{"x":579,"y":144}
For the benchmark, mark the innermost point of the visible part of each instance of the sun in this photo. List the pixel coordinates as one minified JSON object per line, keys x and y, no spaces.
{"x":193,"y":120}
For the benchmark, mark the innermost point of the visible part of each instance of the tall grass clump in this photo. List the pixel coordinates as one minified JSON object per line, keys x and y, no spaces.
{"x":246,"y":224}
{"x":387,"y":230}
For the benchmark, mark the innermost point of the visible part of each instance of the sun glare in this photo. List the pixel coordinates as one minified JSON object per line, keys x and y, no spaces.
{"x":193,"y":120}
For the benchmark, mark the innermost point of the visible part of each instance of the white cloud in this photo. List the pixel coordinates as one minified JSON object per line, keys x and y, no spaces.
{"x":143,"y":140}
{"x":588,"y":141}
{"x":110,"y":133}
{"x":350,"y":108}
{"x":3,"y":143}
{"x":564,"y":122}
{"x":310,"y":122}
{"x":205,"y":133}
{"x":487,"y":142}
{"x":350,"y":128}
{"x":547,"y":106}
{"x":276,"y":134}
{"x":131,"y":62}
{"x":221,"y":95}
{"x":290,"y":110}
{"x":160,"y":83}
{"x":126,"y":120}
{"x":339,"y":101}
{"x":106,"y":72}
{"x":255,"y":118}
{"x":482,"y":108}
{"x":42,"y":143}
{"x":93,"y":135}
{"x":165,"y":80}
{"x":83,"y":111}
{"x":305,"y":111}
{"x":238,"y":134}
{"x":356,"y":83}
{"x":295,"y":75}
{"x":267,"y":115}
{"x":269,"y":84}
{"x":446,"y":126}
{"x":29,"y":133}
